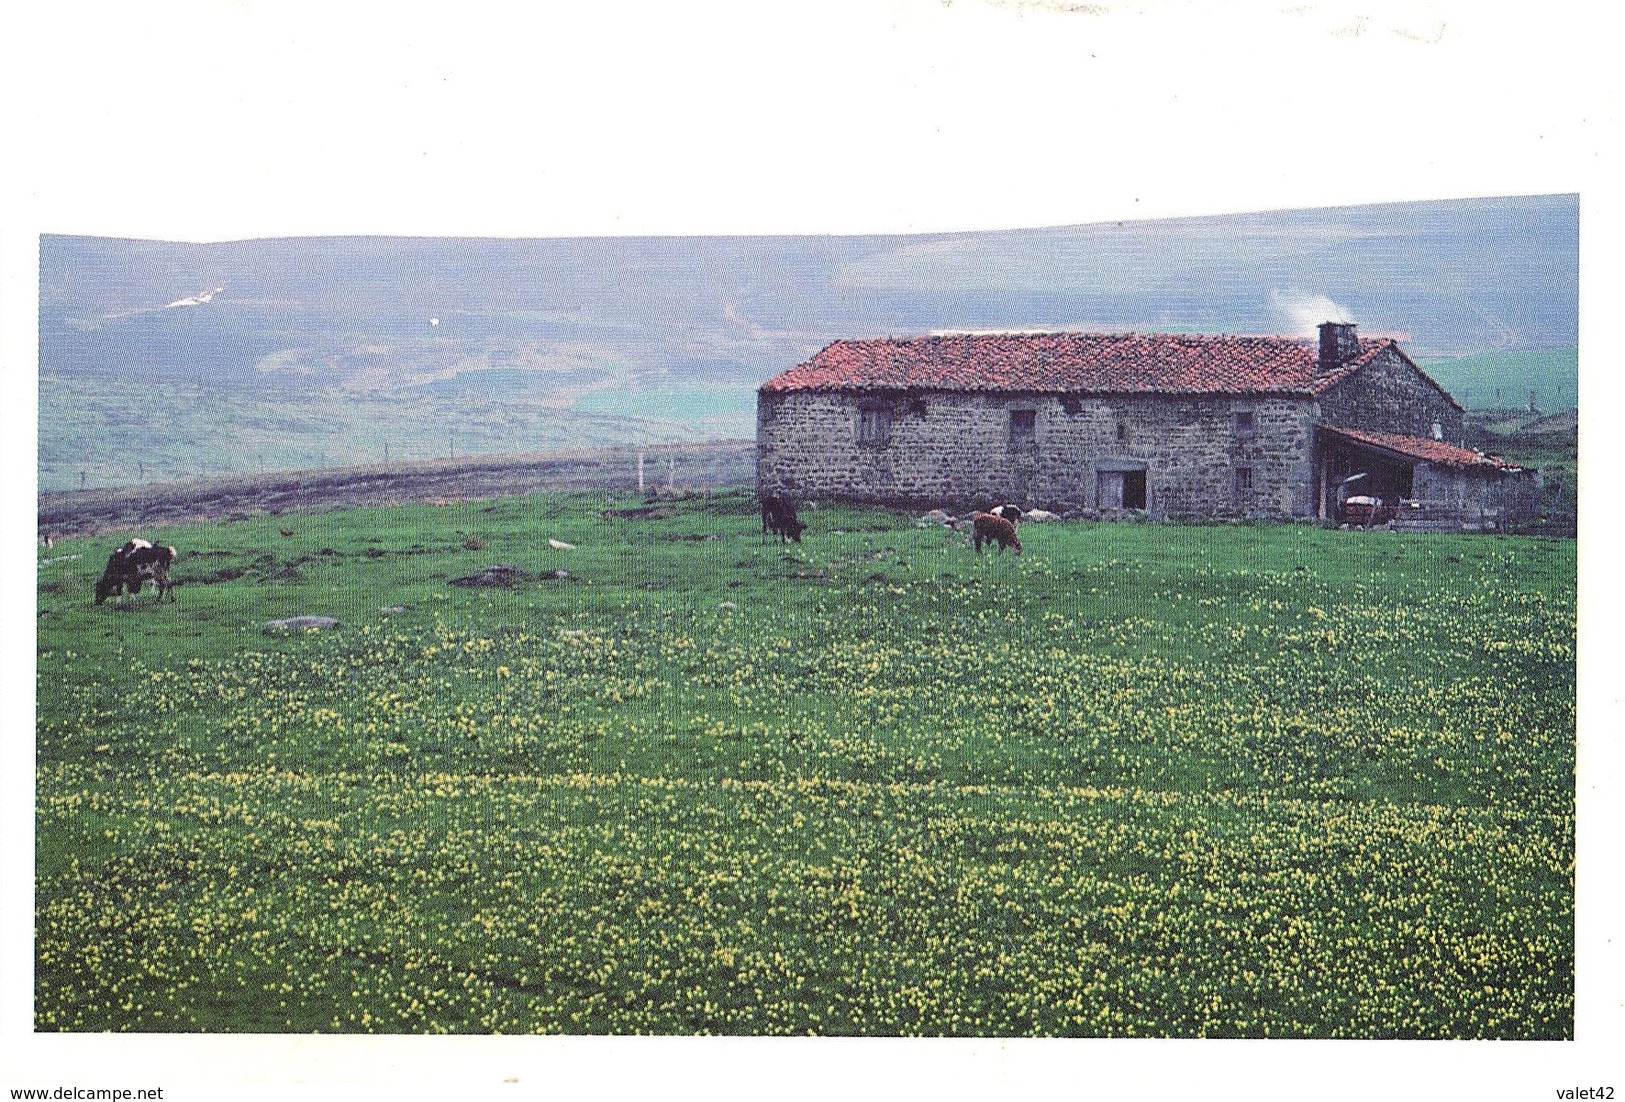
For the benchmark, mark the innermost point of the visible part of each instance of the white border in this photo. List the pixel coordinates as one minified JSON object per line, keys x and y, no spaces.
{"x":228,"y":119}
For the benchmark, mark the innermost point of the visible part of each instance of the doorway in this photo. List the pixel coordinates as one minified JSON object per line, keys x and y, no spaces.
{"x":1120,"y":489}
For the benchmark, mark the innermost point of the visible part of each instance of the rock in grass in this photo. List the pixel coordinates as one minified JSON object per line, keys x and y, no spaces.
{"x":298,"y":623}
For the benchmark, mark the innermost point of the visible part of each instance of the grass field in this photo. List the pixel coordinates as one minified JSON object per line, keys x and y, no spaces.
{"x":1507,"y":380}
{"x":1142,"y":780}
{"x":218,"y":430}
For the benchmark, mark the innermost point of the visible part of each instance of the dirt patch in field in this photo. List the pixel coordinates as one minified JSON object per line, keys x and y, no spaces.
{"x":646,"y":512}
{"x":214,"y":577}
{"x":443,"y":482}
{"x":415,"y":549}
{"x":501,"y":576}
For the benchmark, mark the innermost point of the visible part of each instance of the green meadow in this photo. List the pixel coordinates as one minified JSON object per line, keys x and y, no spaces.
{"x":1508,"y":379}
{"x":1143,"y":780}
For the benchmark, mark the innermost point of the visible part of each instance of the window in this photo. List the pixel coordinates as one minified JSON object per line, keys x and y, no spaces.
{"x":1438,"y":431}
{"x":1244,"y":422}
{"x":1023,"y":427}
{"x":1244,"y":483}
{"x":1122,"y":432}
{"x":874,"y":426}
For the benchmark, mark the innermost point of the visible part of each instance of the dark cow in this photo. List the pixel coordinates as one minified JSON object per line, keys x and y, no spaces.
{"x":779,"y":518}
{"x":133,"y":565}
{"x":1011,"y":513}
{"x":987,"y":528}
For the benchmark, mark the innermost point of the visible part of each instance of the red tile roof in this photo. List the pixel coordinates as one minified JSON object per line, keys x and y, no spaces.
{"x":1419,"y":447}
{"x":1090,"y":363}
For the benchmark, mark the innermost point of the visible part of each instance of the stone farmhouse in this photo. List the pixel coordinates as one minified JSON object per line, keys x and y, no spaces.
{"x":1199,"y":426}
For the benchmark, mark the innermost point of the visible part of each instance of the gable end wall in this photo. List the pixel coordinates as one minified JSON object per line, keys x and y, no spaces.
{"x":1390,"y":395}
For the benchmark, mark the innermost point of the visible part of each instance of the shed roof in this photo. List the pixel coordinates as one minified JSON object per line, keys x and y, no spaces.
{"x":1419,"y":447}
{"x":1091,"y":363}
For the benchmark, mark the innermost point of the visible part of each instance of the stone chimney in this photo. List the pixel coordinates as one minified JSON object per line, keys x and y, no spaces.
{"x":1338,"y":344}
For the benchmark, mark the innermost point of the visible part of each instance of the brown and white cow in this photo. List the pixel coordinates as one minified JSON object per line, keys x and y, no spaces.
{"x":988,"y":528}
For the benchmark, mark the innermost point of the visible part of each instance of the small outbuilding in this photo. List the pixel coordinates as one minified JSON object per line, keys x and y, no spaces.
{"x":1165,"y":425}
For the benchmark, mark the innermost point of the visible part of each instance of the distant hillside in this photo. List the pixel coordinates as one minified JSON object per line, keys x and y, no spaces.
{"x":192,"y":430}
{"x":1563,"y":426}
{"x":239,"y":356}
{"x":1509,"y":379}
{"x":1548,"y":442}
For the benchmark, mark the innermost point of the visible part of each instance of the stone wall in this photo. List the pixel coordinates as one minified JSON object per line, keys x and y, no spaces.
{"x":1515,"y":494}
{"x":955,"y":449}
{"x":1390,"y":395}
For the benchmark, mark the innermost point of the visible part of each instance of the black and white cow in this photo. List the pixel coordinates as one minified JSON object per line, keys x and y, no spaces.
{"x":133,"y":565}
{"x":1011,"y":513}
{"x":779,"y":518}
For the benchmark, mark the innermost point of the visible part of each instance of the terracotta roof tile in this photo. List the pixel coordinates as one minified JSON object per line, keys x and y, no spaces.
{"x":1420,"y":447}
{"x":1075,"y":363}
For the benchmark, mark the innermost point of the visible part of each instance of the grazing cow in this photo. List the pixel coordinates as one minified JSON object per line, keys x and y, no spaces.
{"x":133,"y":565}
{"x":779,"y":518}
{"x":1011,"y":513}
{"x":987,"y":528}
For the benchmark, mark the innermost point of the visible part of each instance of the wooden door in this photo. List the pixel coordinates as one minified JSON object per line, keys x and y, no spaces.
{"x":1109,"y":490}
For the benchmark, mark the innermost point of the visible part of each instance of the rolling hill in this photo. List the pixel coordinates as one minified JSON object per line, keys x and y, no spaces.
{"x":238,"y":357}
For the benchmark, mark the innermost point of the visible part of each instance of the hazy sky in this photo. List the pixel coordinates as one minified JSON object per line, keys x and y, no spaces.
{"x":235,"y":118}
